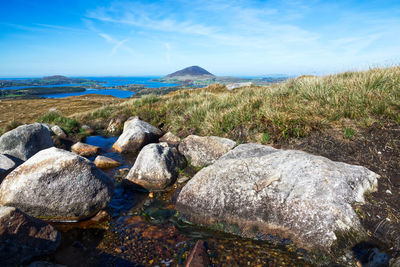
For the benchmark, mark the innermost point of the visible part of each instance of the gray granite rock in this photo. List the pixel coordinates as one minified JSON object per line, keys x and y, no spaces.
{"x":257,"y":191}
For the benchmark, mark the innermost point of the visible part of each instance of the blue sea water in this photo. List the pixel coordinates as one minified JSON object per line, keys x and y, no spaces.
{"x":105,"y":81}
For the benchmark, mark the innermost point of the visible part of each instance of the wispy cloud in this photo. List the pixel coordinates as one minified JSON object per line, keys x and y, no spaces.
{"x":117,"y":44}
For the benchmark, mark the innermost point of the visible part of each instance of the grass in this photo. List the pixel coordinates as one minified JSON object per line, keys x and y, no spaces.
{"x":67,"y":124}
{"x":291,"y":109}
{"x":349,"y":133}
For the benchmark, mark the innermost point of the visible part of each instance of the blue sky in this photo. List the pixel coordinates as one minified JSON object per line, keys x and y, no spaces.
{"x":226,"y":37}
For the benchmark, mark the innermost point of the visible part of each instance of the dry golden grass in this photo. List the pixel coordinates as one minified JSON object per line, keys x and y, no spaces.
{"x":290,"y":109}
{"x":28,"y":110}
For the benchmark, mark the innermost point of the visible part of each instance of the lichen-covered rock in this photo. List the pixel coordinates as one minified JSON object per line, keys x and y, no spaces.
{"x":58,"y":131}
{"x":6,"y":166}
{"x":136,"y":134}
{"x":23,"y":237}
{"x":156,"y":166}
{"x":204,"y":150}
{"x":57,"y":185}
{"x":170,"y":138}
{"x":85,"y":150}
{"x":394,"y":262}
{"x":25,"y":141}
{"x":106,"y":163}
{"x":257,"y":191}
{"x":115,"y":126}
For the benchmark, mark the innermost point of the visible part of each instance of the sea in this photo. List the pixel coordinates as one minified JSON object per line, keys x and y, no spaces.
{"x":105,"y":81}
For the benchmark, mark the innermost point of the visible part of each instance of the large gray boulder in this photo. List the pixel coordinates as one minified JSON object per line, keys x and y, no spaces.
{"x":156,"y":166}
{"x":25,"y":141}
{"x":136,"y":134}
{"x":204,"y":150}
{"x":57,"y":185}
{"x":7,"y":164}
{"x":23,"y":237}
{"x":257,"y":191}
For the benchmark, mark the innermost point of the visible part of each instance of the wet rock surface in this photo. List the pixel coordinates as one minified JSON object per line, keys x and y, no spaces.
{"x":156,"y":166}
{"x":25,"y":141}
{"x":202,"y":151}
{"x":23,"y":237}
{"x":136,"y":134}
{"x":106,"y":163}
{"x":57,"y":185}
{"x":258,"y":191}
{"x":85,"y":150}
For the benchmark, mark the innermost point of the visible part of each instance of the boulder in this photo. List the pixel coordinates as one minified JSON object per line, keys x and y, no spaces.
{"x":57,"y":185}
{"x":232,"y":86}
{"x":106,"y":163}
{"x":23,"y":237}
{"x":7,"y":164}
{"x":136,"y":134}
{"x":25,"y":141}
{"x":58,"y":131}
{"x":395,"y":262}
{"x":156,"y":166}
{"x":85,"y":150}
{"x":170,"y":138}
{"x":204,"y":150}
{"x":115,"y":126}
{"x":260,"y":192}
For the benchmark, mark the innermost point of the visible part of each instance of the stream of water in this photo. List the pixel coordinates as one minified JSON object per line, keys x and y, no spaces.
{"x":142,"y":229}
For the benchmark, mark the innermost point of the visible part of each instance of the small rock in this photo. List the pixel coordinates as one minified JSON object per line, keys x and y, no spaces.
{"x":57,"y":185}
{"x":52,"y":110}
{"x":58,"y":131}
{"x":156,"y":166}
{"x":6,"y":165}
{"x":106,"y":163}
{"x":136,"y":134}
{"x":85,"y":150}
{"x":203,"y":151}
{"x":232,"y":86}
{"x":183,"y":179}
{"x":115,"y":126}
{"x":23,"y":237}
{"x":388,"y":192}
{"x":198,"y":257}
{"x":25,"y":141}
{"x":170,"y":138}
{"x":87,"y":129}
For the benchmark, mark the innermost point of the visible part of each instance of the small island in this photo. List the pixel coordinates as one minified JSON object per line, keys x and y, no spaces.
{"x":195,"y":76}
{"x":34,"y":92}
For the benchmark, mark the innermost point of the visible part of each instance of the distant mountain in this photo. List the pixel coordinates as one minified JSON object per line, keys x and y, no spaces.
{"x":190,"y":73}
{"x":56,"y":77}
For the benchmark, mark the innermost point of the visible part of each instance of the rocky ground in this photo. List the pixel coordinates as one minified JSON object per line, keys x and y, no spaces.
{"x":306,"y":208}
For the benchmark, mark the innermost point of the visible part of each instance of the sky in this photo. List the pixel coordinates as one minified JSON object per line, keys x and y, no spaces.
{"x":226,"y":37}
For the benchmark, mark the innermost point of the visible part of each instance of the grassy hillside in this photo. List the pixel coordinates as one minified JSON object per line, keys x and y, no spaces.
{"x":294,"y":108}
